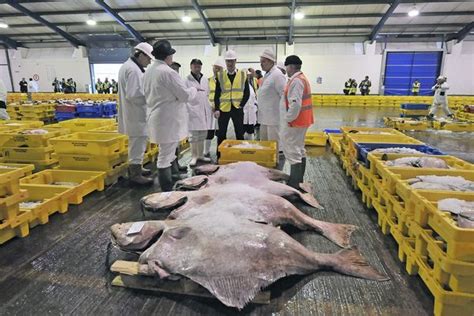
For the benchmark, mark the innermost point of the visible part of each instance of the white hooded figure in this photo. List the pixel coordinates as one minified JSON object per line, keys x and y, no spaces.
{"x":166,"y":97}
{"x":132,"y":110}
{"x":440,"y":98}
{"x":251,"y":107}
{"x":200,"y":112}
{"x":3,"y":102}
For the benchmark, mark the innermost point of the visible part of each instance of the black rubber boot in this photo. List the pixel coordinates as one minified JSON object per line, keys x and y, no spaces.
{"x":303,"y":163}
{"x":175,"y":172}
{"x":430,"y":117}
{"x":296,"y":175}
{"x":164,"y":177}
{"x":146,"y":172}
{"x":136,"y":177}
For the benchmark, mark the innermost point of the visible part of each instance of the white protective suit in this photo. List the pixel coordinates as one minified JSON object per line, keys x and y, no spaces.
{"x":292,"y":138}
{"x":132,"y":109}
{"x":250,"y":109}
{"x":167,"y":119}
{"x":440,"y":99}
{"x":199,"y":109}
{"x":269,"y":97}
{"x":3,"y":101}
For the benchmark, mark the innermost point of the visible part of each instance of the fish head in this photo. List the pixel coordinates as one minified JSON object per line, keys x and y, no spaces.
{"x":136,"y":236}
{"x":163,"y":201}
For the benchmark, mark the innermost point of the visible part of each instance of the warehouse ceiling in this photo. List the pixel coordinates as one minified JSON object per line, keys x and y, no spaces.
{"x":33,"y":23}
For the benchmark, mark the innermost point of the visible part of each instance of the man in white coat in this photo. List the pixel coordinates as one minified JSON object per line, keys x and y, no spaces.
{"x":200,"y":113}
{"x":3,"y":102}
{"x":269,"y":96}
{"x":440,"y":98}
{"x":132,"y":110}
{"x":166,"y":96}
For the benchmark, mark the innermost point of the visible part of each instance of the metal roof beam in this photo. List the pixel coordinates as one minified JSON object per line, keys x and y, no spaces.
{"x":379,"y":26}
{"x":292,"y":22}
{"x":71,"y":39}
{"x":120,"y":21}
{"x":208,"y":28}
{"x":9,"y":42}
{"x":459,"y":36}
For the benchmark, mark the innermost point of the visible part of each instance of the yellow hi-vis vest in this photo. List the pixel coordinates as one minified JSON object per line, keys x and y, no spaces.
{"x":231,"y":94}
{"x":212,"y":89}
{"x":416,"y":87}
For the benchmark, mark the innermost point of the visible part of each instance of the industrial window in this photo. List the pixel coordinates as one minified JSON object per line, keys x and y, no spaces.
{"x":403,"y":68}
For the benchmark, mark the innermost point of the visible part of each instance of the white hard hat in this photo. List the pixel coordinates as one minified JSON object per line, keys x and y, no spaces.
{"x":230,"y":55}
{"x":146,"y":49}
{"x":281,"y":65}
{"x":442,"y":78}
{"x":219,"y":62}
{"x":269,"y":54}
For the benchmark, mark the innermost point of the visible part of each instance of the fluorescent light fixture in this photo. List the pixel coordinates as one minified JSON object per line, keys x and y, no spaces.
{"x":3,"y":25}
{"x":91,"y":22}
{"x":186,"y":18}
{"x":413,"y":12}
{"x":299,"y":15}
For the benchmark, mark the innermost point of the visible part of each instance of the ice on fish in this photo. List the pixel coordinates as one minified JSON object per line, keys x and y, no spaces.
{"x":451,"y":183}
{"x":455,"y":206}
{"x":34,"y":132}
{"x":418,"y":162}
{"x":247,"y":145}
{"x":397,"y":150}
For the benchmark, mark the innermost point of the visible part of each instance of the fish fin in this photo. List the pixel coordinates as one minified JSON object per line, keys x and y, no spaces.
{"x":310,"y":200}
{"x":351,"y":262}
{"x":278,"y":175}
{"x":206,"y":169}
{"x":340,"y":234}
{"x":306,"y":187}
{"x":234,"y":291}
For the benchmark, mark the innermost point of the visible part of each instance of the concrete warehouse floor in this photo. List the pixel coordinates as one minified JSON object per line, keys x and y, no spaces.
{"x":61,"y":267}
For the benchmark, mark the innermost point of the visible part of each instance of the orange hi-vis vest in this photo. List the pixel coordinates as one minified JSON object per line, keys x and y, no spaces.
{"x":305,"y":117}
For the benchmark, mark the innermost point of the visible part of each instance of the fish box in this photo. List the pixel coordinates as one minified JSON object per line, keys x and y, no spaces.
{"x":21,"y":124}
{"x":454,"y":126}
{"x":265,"y":154}
{"x":16,"y":227}
{"x":369,"y":130}
{"x":120,"y":171}
{"x":86,"y":124}
{"x":315,"y":139}
{"x":415,"y":106}
{"x":26,"y":153}
{"x":9,"y":203}
{"x":90,"y":143}
{"x":335,"y":142}
{"x":81,"y":183}
{"x":92,"y":162}
{"x":354,"y":139}
{"x":44,"y":202}
{"x":406,"y":112}
{"x":411,"y":125}
{"x":21,"y":138}
{"x":106,"y":129}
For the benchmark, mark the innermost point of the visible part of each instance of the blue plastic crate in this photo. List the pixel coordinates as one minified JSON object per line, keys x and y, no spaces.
{"x":89,"y":115}
{"x":412,"y":116}
{"x":332,"y":131}
{"x":363,"y":150}
{"x":109,"y":107}
{"x":415,"y":106}
{"x":65,"y":115}
{"x":92,"y":109}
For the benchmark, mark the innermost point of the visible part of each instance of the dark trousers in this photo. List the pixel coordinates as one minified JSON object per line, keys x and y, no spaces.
{"x":210,"y":134}
{"x":237,"y":116}
{"x":249,"y":129}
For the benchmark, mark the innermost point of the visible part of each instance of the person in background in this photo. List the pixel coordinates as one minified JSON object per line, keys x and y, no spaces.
{"x":251,"y":107}
{"x":133,"y":109}
{"x":232,"y":93}
{"x":365,"y":85}
{"x":63,"y":84}
{"x":23,"y":86}
{"x":166,"y":97}
{"x":56,"y":85}
{"x":269,"y":98}
{"x":353,"y":88}
{"x":259,"y":76}
{"x":114,"y":86}
{"x":415,"y":88}
{"x":280,"y":65}
{"x":217,"y":67}
{"x":68,"y":88}
{"x":99,"y":86}
{"x":3,"y":102}
{"x":74,"y":86}
{"x":199,"y":112}
{"x":440,"y":98}
{"x":298,"y":118}
{"x":175,"y":66}
{"x":347,"y":86}
{"x":106,"y":86}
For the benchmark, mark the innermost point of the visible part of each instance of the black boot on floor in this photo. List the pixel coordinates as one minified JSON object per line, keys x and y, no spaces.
{"x":175,"y":172}
{"x":430,"y":117}
{"x":296,"y":175}
{"x":303,"y":163}
{"x":164,"y":177}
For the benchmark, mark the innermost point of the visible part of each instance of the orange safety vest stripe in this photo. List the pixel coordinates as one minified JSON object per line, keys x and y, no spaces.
{"x":305,"y":117}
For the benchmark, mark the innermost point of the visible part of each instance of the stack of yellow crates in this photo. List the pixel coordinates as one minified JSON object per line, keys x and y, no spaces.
{"x":30,"y":146}
{"x":13,"y":223}
{"x":91,"y":151}
{"x":32,"y":112}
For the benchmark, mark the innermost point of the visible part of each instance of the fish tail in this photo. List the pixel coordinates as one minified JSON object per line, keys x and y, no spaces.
{"x":351,"y":262}
{"x":339,"y":234}
{"x":310,"y":200}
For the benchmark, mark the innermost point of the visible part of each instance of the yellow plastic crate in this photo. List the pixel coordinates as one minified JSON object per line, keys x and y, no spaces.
{"x":115,"y":174}
{"x":91,"y":162}
{"x":81,"y":183}
{"x":16,"y":227}
{"x":50,"y":200}
{"x":454,"y":126}
{"x":90,"y":143}
{"x":335,"y":142}
{"x":26,"y":153}
{"x":21,"y":124}
{"x":85,"y":125}
{"x":106,"y":129}
{"x":360,"y":130}
{"x":266,"y":156}
{"x":19,"y":139}
{"x":9,"y":203}
{"x":315,"y":139}
{"x":38,"y":164}
{"x":9,"y":177}
{"x":353,"y":139}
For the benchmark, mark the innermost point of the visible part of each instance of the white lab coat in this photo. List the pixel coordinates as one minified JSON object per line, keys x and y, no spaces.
{"x":269,"y":96}
{"x":442,"y":89}
{"x":166,"y":97}
{"x":33,"y":86}
{"x":250,"y":108}
{"x":3,"y":97}
{"x":199,"y":110}
{"x":132,"y":106}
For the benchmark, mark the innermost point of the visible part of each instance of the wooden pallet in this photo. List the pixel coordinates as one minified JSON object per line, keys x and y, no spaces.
{"x":129,"y":277}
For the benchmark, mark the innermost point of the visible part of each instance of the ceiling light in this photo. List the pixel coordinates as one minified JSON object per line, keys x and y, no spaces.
{"x":299,"y":15}
{"x":186,"y":18}
{"x":3,"y":25}
{"x":91,"y":22}
{"x":413,"y":12}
